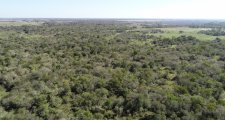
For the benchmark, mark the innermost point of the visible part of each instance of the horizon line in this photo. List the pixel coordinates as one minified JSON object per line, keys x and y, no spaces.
{"x":112,"y":18}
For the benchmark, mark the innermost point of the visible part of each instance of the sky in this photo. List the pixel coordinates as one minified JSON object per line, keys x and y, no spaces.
{"x":161,"y":9}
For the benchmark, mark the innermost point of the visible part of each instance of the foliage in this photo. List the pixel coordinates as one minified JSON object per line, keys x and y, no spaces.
{"x":108,"y":70}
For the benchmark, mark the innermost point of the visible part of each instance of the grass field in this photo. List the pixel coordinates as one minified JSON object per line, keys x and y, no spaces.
{"x":176,"y":31}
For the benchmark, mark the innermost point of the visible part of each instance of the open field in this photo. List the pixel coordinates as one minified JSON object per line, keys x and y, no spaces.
{"x":170,"y":32}
{"x":175,"y":32}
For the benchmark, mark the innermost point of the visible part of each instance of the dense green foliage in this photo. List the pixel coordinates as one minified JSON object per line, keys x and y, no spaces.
{"x":87,"y":70}
{"x":214,"y":32}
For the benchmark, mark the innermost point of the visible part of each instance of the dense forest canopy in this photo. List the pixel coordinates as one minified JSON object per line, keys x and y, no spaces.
{"x":108,"y":69}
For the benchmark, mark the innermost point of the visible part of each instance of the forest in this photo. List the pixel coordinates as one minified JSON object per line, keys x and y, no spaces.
{"x":111,"y":69}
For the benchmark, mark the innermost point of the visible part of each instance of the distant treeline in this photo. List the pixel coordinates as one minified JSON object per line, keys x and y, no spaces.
{"x":210,"y":25}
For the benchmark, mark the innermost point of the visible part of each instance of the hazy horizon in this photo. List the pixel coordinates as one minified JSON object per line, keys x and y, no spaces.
{"x":114,"y":9}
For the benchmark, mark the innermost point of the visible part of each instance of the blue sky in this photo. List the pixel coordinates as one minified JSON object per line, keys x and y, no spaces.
{"x":192,"y":9}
